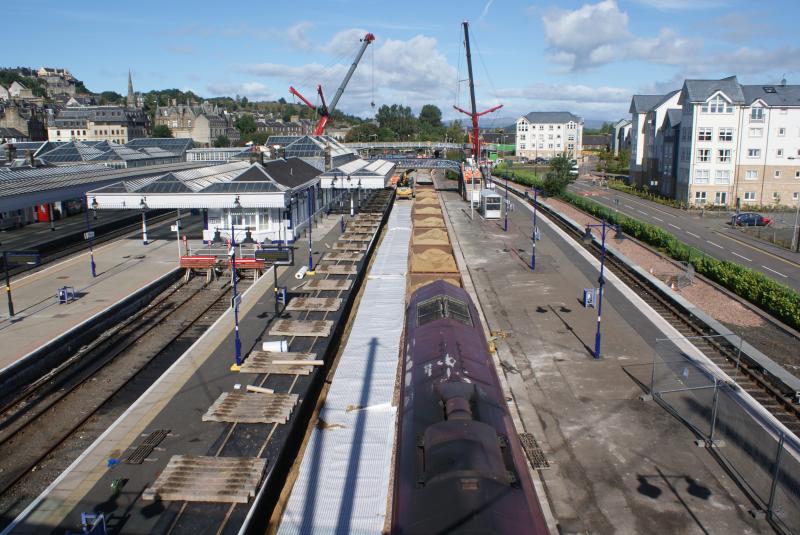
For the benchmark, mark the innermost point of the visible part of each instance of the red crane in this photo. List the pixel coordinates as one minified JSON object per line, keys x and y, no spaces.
{"x":324,"y":111}
{"x":474,"y":114}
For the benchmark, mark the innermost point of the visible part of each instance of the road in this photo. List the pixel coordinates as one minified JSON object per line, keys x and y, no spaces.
{"x":711,"y":234}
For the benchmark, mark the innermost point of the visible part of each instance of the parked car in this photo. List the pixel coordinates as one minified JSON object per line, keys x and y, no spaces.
{"x":541,"y":160}
{"x":751,"y":219}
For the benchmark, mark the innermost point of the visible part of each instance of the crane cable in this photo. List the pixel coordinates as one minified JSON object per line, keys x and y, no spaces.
{"x":489,"y":78}
{"x":372,"y":77}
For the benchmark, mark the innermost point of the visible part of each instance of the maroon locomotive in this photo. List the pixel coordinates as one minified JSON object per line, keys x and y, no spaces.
{"x":459,"y":466}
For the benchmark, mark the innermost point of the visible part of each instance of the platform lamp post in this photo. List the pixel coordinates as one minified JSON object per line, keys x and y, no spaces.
{"x":143,"y":208}
{"x":310,"y":203}
{"x":90,"y":236}
{"x":535,"y":233}
{"x":796,"y":231}
{"x":587,"y":239}
{"x":237,"y":343}
{"x":350,"y":194}
{"x":505,"y":221}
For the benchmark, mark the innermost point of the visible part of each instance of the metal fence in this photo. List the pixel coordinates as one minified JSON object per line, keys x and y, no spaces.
{"x":760,"y":454}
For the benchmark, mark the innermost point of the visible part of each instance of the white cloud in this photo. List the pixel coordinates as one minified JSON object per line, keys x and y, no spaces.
{"x":562,"y":93}
{"x":485,"y":11}
{"x":410,"y":71}
{"x":251,"y":90}
{"x":673,"y":5}
{"x":597,"y":34}
{"x":297,"y":36}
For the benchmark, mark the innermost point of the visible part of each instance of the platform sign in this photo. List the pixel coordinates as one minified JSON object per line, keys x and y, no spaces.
{"x":236,"y":301}
{"x":277,"y":256}
{"x":88,"y":235}
{"x":22,"y":258}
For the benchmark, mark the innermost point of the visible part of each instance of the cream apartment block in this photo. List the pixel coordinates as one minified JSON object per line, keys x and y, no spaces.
{"x":739,"y":142}
{"x":545,"y":134}
{"x":98,"y":123}
{"x":718,"y":141}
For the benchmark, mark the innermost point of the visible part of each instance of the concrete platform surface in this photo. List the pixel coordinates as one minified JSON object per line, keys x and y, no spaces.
{"x":618,"y":465}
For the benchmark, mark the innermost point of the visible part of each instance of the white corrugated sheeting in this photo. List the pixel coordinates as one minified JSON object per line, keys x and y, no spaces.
{"x":344,"y":476}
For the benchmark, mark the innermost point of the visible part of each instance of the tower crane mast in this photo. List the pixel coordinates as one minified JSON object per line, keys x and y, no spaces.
{"x":324,"y":111}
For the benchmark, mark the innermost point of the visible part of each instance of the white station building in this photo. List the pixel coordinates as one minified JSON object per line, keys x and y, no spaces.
{"x":273,"y":201}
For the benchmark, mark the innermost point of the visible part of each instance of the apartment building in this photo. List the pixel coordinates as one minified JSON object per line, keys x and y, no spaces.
{"x":739,"y":143}
{"x":545,"y":134}
{"x":98,"y":123}
{"x":202,"y":123}
{"x":719,"y":142}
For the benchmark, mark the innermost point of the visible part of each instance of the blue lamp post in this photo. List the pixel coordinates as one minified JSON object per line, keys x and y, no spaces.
{"x":310,"y":202}
{"x":90,"y":236}
{"x":505,"y":222}
{"x":535,"y":231}
{"x":237,"y":341}
{"x":587,"y":239}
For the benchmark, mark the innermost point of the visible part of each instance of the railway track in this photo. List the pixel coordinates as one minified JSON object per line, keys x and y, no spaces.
{"x":40,"y":418}
{"x":725,"y":355}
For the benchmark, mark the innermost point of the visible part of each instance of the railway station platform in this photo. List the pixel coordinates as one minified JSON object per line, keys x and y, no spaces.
{"x":185,"y":405}
{"x":123,"y":267}
{"x":610,"y":463}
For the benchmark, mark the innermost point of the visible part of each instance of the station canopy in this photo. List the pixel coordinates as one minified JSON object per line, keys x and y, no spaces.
{"x":268,"y":185}
{"x":366,"y":174}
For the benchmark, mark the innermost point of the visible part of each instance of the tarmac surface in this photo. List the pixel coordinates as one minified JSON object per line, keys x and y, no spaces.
{"x":710,"y":233}
{"x":618,"y":465}
{"x":34,"y":234}
{"x":176,"y":402}
{"x":123,"y":266}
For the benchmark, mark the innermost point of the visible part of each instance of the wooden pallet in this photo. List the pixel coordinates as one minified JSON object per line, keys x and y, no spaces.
{"x":313,"y":328}
{"x":262,"y":362}
{"x":251,"y":408}
{"x":323,"y":304}
{"x":336,"y":269}
{"x":327,"y":284}
{"x":207,"y":479}
{"x":344,"y":256}
{"x":350,"y":246}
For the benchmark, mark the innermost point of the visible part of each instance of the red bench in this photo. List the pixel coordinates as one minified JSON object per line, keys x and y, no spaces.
{"x":248,"y":263}
{"x":198,"y":261}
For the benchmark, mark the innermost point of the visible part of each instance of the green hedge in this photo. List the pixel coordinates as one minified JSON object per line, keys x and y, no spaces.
{"x":776,"y":299}
{"x":644,"y":194}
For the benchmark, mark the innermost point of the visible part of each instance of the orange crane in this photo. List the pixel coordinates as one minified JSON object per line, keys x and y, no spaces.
{"x":324,"y":111}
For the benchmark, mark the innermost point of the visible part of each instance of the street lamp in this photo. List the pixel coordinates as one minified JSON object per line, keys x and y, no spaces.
{"x":90,"y":235}
{"x":237,"y":343}
{"x":535,"y":232}
{"x":350,"y":194}
{"x":505,"y":222}
{"x":143,"y":208}
{"x":587,"y":239}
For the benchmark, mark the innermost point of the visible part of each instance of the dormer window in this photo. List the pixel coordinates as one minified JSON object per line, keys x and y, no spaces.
{"x":717,"y":105}
{"x":756,"y":114}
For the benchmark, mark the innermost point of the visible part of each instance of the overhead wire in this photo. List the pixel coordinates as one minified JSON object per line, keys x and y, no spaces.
{"x":489,"y":78}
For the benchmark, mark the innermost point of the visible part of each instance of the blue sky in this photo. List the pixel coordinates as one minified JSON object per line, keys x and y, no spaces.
{"x":586,"y":56}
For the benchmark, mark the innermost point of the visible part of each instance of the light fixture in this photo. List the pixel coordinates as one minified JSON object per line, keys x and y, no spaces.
{"x":142,"y":205}
{"x":237,"y":204}
{"x":587,"y":236}
{"x":94,"y":203}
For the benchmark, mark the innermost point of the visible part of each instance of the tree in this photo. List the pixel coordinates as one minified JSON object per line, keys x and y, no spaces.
{"x":112,"y":97}
{"x":222,"y":141}
{"x":399,"y":119}
{"x":430,"y":115}
{"x":245,"y":124}
{"x":162,"y":130}
{"x":559,"y":176}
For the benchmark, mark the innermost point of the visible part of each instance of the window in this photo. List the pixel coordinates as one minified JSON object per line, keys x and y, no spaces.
{"x":722,"y":176}
{"x":749,"y":196}
{"x":726,"y":134}
{"x":751,"y":174}
{"x":781,"y":131}
{"x":753,"y":153}
{"x":721,"y":198}
{"x":779,"y":153}
{"x":724,"y":155}
{"x":756,"y":132}
{"x":522,"y":146}
{"x":571,"y":137}
{"x":541,"y":127}
{"x":784,"y":111}
{"x":700,"y":197}
{"x":571,"y":146}
{"x":443,"y":306}
{"x":703,"y":155}
{"x":776,"y":197}
{"x":777,"y":173}
{"x":704,"y":134}
{"x":796,"y":195}
{"x":797,"y":174}
{"x":717,"y":105}
{"x":701,"y":176}
{"x":549,"y":145}
{"x":522,"y":137}
{"x":756,"y":115}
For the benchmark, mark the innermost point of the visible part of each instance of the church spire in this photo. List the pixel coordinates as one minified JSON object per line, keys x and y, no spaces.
{"x":131,"y":97}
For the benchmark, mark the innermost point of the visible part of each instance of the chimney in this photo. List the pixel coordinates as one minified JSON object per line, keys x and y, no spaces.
{"x":30,"y":158}
{"x":328,"y":159}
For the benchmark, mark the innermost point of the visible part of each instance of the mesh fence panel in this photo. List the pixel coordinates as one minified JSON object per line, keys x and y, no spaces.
{"x":786,"y":504}
{"x":680,"y":375}
{"x":748,"y":449}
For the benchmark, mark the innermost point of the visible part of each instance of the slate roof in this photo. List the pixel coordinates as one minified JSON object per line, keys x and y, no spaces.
{"x":552,"y":117}
{"x":11,"y":132}
{"x":773,"y":95}
{"x":596,"y":139}
{"x":177,"y":145}
{"x":291,"y":172}
{"x":644,"y":103}
{"x":674,"y":116}
{"x":701,"y":90}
